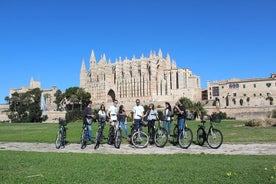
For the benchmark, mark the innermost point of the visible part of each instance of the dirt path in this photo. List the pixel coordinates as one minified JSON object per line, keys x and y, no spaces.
{"x":228,"y":149}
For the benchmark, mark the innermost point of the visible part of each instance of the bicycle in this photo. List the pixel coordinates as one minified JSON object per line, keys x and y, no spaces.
{"x":213,"y":136}
{"x":160,"y":136}
{"x":139,"y":138}
{"x":61,"y":134}
{"x":115,"y":134}
{"x":183,"y":138}
{"x":99,"y":135}
{"x":84,"y":134}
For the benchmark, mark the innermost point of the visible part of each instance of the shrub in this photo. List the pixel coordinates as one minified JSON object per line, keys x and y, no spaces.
{"x":261,"y":123}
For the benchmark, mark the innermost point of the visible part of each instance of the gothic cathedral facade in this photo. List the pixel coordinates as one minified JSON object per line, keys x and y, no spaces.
{"x":151,"y":79}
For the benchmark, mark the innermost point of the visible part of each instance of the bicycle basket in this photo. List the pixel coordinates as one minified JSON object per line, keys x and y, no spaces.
{"x":216,"y":118}
{"x":62,"y":122}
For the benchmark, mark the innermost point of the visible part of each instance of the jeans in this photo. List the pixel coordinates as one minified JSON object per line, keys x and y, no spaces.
{"x":181,"y":123}
{"x":124,"y":126}
{"x":167,"y":125}
{"x":136,"y":124}
{"x":89,"y":132}
{"x":151,"y":130}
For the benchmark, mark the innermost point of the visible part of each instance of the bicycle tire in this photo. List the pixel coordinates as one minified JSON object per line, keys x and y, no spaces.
{"x":58,"y":139}
{"x":214,"y":138}
{"x":185,"y":138}
{"x":98,"y":138}
{"x":110,"y":139}
{"x":140,"y":139}
{"x":118,"y":138}
{"x":175,"y":136}
{"x":201,"y":136}
{"x":161,"y":137}
{"x":83,"y":139}
{"x":97,"y":144}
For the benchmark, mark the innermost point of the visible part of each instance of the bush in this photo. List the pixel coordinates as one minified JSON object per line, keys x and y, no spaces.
{"x":261,"y":123}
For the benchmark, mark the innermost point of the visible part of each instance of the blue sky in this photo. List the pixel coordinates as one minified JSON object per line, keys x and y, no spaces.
{"x":217,"y":40}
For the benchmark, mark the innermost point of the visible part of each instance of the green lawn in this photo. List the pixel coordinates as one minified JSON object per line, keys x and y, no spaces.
{"x":34,"y":167}
{"x":233,"y":132}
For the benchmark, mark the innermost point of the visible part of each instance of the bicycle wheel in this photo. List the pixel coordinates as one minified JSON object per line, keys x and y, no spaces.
{"x":161,"y":137}
{"x":58,"y":139}
{"x":118,"y":138}
{"x":83,"y":138}
{"x":175,"y":136}
{"x":201,"y":136}
{"x":185,"y":138}
{"x":110,"y":139}
{"x":214,"y":138}
{"x":140,"y":139}
{"x":98,"y":138}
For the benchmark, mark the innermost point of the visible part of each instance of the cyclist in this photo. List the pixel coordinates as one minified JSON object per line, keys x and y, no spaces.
{"x":122,"y":118}
{"x":138,"y":111}
{"x":167,"y":117}
{"x":102,"y":120}
{"x":181,"y":114}
{"x":112,"y":115}
{"x":112,"y":112}
{"x":152,"y":115}
{"x":87,"y":119}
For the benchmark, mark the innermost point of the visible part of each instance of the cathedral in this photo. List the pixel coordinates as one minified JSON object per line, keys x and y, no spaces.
{"x":151,"y":79}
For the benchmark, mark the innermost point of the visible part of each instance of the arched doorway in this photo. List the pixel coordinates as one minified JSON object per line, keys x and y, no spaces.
{"x":111,"y":96}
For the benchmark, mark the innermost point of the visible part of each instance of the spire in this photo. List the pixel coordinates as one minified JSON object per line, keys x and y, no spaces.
{"x":83,"y":68}
{"x":92,"y":59}
{"x":160,"y":55}
{"x":83,"y":74}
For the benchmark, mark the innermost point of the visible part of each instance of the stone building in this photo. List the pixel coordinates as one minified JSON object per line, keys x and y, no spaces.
{"x":243,"y":98}
{"x":151,"y":79}
{"x":48,"y":94}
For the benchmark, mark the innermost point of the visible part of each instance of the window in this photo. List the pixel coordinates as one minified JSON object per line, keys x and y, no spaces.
{"x":261,"y":94}
{"x":215,"y":91}
{"x":268,"y":84}
{"x":243,"y":85}
{"x":254,"y":85}
{"x":254,"y":94}
{"x":222,"y":87}
{"x":244,"y":94}
{"x":234,"y":94}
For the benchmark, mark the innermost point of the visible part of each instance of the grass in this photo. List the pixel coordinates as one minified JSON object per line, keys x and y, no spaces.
{"x":233,"y":132}
{"x":34,"y":167}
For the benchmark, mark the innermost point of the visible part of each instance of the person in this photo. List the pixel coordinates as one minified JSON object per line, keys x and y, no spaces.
{"x":87,"y":119}
{"x":167,"y":117}
{"x":181,"y":114}
{"x":138,"y":114}
{"x":112,"y":114}
{"x":102,"y":114}
{"x":152,"y":115}
{"x":122,"y":118}
{"x":102,"y":120}
{"x":113,"y":111}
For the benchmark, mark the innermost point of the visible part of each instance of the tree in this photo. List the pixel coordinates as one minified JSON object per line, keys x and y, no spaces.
{"x":77,"y":97}
{"x":25,"y":107}
{"x":59,"y":98}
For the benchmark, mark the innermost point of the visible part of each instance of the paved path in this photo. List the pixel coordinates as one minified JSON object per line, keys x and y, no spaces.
{"x":227,"y":149}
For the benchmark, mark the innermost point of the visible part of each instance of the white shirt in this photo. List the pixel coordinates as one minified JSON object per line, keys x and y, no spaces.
{"x":168,"y":118}
{"x":113,"y":111}
{"x":138,"y":111}
{"x":102,"y":115}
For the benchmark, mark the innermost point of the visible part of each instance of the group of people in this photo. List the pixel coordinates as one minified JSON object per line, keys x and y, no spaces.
{"x":118,"y":115}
